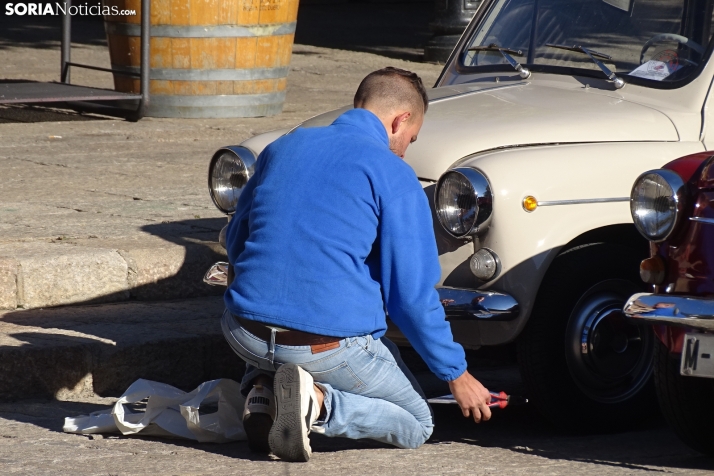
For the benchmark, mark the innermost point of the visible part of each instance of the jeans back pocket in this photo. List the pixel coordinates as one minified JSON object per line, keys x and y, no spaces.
{"x":340,"y":378}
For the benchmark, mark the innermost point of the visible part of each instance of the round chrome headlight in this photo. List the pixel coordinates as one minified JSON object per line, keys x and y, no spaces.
{"x":230,"y":169}
{"x":463,"y":202}
{"x":656,"y":203}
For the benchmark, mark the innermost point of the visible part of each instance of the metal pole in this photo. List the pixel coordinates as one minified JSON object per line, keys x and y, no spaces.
{"x":145,"y":57}
{"x":66,"y":42}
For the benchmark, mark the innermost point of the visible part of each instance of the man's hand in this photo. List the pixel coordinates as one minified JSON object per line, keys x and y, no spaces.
{"x":472,"y":397}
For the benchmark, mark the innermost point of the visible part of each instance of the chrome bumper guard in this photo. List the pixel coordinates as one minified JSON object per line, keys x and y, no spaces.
{"x":687,"y":311}
{"x":459,"y":304}
{"x":467,"y":304}
{"x":217,"y":275}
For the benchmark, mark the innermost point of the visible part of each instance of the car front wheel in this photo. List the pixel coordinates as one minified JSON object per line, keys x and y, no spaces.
{"x":686,"y":402}
{"x":585,"y":368}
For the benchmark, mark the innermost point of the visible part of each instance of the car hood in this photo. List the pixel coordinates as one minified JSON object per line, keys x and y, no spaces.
{"x":466,"y":119}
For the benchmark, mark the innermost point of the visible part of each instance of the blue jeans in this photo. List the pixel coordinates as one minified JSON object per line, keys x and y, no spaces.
{"x":369,"y":392}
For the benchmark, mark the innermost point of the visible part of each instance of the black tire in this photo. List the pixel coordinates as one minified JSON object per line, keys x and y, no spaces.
{"x":584,"y":367}
{"x":686,"y":402}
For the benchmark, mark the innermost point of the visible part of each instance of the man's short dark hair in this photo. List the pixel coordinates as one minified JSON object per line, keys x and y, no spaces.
{"x":392,"y":87}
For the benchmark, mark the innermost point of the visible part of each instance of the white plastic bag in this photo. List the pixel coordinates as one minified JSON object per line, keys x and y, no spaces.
{"x":171,"y":412}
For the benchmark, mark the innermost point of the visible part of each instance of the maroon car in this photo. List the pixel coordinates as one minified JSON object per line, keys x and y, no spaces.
{"x":673,"y":207}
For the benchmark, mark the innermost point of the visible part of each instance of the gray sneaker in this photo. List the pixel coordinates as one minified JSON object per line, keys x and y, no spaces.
{"x":297,"y":410}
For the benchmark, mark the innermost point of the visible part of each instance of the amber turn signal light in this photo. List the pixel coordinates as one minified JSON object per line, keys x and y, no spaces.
{"x":652,"y":270}
{"x":530,"y":203}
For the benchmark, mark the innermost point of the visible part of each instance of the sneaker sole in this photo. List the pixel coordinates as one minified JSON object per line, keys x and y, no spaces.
{"x":257,"y":428}
{"x":288,"y":434}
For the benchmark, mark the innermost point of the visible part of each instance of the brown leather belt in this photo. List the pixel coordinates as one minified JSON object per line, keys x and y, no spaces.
{"x":290,"y":337}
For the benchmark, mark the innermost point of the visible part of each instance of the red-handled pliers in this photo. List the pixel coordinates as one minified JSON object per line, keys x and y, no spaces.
{"x":501,"y":400}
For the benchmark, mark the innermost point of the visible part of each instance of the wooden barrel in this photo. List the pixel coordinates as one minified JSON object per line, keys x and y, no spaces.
{"x":209,"y":58}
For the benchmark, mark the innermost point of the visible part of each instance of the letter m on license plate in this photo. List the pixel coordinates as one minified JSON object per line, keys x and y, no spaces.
{"x":698,"y":355}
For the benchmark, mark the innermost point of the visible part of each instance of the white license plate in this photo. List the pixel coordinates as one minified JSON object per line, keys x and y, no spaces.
{"x":698,"y":355}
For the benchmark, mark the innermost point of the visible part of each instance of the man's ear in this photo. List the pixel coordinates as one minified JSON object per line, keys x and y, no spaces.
{"x":399,"y":121}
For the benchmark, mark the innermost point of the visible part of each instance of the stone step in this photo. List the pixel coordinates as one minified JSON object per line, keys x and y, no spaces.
{"x":74,"y":351}
{"x":79,"y":352}
{"x":86,"y":271}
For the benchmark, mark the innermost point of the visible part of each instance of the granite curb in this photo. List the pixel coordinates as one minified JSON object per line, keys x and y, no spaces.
{"x":37,"y":275}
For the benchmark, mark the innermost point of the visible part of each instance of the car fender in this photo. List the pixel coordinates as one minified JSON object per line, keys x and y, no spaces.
{"x":259,"y":142}
{"x":579,"y":187}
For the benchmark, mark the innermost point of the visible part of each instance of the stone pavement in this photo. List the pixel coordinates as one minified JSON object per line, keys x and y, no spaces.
{"x":512,"y":443}
{"x":85,"y":356}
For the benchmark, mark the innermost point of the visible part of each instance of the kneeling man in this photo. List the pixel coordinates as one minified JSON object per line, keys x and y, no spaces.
{"x":332,"y":230}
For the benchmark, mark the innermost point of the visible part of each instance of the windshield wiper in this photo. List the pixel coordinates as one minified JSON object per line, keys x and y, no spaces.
{"x":618,"y":82}
{"x":506,"y":52}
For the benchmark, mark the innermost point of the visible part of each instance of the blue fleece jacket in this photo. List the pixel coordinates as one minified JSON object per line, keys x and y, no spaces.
{"x":332,"y":229}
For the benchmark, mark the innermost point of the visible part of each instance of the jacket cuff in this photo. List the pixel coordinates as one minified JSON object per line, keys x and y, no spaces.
{"x":452,"y":374}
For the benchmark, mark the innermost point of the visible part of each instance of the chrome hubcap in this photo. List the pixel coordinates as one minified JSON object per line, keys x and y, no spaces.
{"x":609,"y":359}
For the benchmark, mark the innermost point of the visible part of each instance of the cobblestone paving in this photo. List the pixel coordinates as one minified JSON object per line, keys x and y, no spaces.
{"x":513,"y":442}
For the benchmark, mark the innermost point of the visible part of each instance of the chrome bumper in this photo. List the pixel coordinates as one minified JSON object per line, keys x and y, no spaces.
{"x":688,"y":311}
{"x":467,"y":304}
{"x":459,"y":304}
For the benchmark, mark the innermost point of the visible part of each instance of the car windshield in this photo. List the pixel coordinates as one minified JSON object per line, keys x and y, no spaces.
{"x":657,"y":40}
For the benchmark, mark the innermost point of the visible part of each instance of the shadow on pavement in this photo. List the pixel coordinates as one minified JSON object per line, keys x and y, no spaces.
{"x":521,"y":430}
{"x":14,"y":113}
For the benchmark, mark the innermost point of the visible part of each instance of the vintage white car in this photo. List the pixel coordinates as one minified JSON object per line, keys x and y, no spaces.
{"x":544,"y":115}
